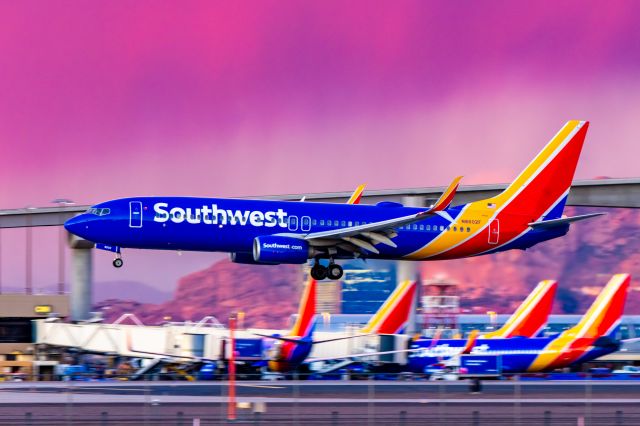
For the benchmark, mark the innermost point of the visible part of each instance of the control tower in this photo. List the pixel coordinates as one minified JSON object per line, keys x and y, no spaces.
{"x":440,"y":307}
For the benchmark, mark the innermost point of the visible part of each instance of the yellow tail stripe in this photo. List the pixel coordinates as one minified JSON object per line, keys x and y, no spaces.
{"x":388,"y":306}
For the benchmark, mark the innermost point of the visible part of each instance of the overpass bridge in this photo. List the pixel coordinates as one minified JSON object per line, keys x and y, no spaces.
{"x":616,"y":193}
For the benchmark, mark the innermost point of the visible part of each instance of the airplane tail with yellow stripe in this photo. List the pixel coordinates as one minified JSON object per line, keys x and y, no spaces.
{"x":303,"y":326}
{"x":531,"y":316}
{"x":540,"y":191}
{"x":604,"y":315}
{"x":393,"y":315}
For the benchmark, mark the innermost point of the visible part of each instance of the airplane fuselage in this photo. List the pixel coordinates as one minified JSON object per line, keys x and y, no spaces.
{"x":232,"y":225}
{"x":518,"y":355}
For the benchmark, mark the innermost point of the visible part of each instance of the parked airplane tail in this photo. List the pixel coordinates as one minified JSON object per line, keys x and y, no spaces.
{"x":531,"y":316}
{"x":393,"y":315}
{"x":541,"y":189}
{"x":596,"y":328}
{"x":305,"y":320}
{"x":603,"y":316}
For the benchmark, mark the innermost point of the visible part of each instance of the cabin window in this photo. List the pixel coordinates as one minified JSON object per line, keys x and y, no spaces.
{"x":357,"y":223}
{"x":321,"y":222}
{"x":343,"y":223}
{"x":422,"y":227}
{"x":468,"y":229}
{"x":428,"y":227}
{"x":314,"y":222}
{"x":415,"y":227}
{"x":441,"y":228}
{"x":336,"y":223}
{"x":305,"y":223}
{"x":455,"y":229}
{"x":350,"y":223}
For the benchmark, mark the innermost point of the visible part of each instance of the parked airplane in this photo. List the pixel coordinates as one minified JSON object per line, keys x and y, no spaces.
{"x":591,"y":338}
{"x":269,"y":232}
{"x":293,"y":350}
{"x":531,"y":316}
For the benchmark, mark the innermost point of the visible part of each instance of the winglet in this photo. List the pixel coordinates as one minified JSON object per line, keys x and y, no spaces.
{"x":531,"y":316}
{"x":394,"y":313}
{"x":357,"y":194}
{"x":447,"y":196}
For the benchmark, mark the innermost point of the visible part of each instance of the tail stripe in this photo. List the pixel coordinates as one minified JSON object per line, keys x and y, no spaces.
{"x":306,"y":311}
{"x":531,"y":315}
{"x":394,"y":313}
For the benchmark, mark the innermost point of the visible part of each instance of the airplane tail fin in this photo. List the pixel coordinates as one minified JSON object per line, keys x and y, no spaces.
{"x":357,"y":195}
{"x":531,"y":316}
{"x":305,"y":320}
{"x":393,"y":315}
{"x":540,"y":191}
{"x":603,"y":317}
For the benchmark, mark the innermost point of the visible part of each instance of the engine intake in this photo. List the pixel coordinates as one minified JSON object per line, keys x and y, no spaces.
{"x":276,"y":249}
{"x":246,"y":259}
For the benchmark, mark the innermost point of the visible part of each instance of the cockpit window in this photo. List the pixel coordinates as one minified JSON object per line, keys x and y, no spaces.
{"x":98,"y":212}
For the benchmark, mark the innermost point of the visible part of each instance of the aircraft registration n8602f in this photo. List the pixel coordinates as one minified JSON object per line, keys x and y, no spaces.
{"x":265,"y":232}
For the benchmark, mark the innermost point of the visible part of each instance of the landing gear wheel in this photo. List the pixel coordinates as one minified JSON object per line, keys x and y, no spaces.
{"x":117,"y":262}
{"x":334,"y":272}
{"x":318,"y":272}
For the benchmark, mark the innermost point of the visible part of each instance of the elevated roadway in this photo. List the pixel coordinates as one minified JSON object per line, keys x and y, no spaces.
{"x":620,"y":193}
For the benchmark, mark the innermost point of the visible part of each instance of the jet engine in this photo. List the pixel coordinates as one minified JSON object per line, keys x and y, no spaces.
{"x":246,"y":259}
{"x":280,"y":249}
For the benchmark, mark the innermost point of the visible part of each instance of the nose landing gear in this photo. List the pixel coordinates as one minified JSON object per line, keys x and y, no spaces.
{"x":117,"y":262}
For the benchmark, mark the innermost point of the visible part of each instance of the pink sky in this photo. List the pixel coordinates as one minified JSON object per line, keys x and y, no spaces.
{"x":106,"y":99}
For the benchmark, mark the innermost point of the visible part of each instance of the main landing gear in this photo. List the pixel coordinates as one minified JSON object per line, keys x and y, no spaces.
{"x":320,"y":272}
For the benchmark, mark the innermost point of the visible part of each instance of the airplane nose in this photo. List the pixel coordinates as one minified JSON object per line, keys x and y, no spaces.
{"x":76,"y":225}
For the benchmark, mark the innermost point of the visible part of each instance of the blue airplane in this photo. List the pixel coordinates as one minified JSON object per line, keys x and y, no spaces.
{"x":266,"y":232}
{"x":594,"y":336}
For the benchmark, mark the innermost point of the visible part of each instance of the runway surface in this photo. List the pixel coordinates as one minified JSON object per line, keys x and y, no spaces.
{"x":321,"y":402}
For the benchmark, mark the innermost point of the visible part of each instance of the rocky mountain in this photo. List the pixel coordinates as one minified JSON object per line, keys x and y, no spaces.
{"x":267,"y":295}
{"x":582,"y":262}
{"x":134,"y":290}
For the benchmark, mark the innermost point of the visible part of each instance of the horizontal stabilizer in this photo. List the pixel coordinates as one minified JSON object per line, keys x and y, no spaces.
{"x":557,"y":222}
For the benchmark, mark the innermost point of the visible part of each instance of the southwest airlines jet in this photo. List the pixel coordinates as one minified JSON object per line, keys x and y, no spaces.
{"x":591,"y":338}
{"x":293,"y":349}
{"x":267,"y":232}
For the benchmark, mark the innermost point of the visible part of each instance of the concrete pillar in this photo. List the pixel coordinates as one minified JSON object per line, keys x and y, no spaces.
{"x":81,"y":278}
{"x":410,"y":270}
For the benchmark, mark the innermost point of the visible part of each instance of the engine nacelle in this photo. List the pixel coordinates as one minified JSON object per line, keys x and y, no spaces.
{"x":277,"y":249}
{"x":247,"y":259}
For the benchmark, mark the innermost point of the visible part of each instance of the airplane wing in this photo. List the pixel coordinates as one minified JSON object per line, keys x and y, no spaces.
{"x":131,"y":349}
{"x":297,"y":340}
{"x":360,"y":355}
{"x":284,"y":339}
{"x":556,"y":222}
{"x":367,"y":235}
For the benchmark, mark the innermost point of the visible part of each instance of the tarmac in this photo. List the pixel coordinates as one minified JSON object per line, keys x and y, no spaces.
{"x":320,"y":402}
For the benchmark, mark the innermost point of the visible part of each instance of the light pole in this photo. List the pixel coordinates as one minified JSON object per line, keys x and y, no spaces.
{"x":61,"y":202}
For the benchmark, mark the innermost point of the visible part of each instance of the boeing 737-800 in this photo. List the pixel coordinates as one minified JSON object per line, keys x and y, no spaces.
{"x":267,"y":232}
